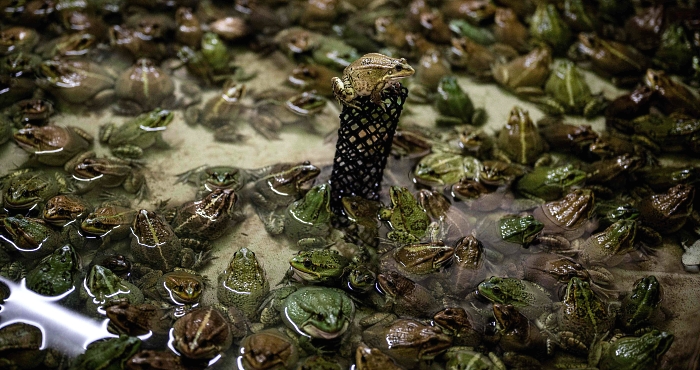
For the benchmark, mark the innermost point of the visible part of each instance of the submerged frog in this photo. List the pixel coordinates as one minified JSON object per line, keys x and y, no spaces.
{"x":77,"y":81}
{"x":243,"y":283}
{"x":610,"y":246}
{"x":365,"y":215}
{"x":130,"y":139}
{"x":53,"y":145}
{"x":308,"y":220}
{"x":56,"y":273}
{"x":31,"y":237}
{"x":641,"y":304}
{"x":407,"y":219}
{"x":578,"y":319}
{"x":547,"y":183}
{"x":370,"y":75}
{"x":569,"y":93}
{"x":531,"y":299}
{"x":210,"y":178}
{"x":507,"y":234}
{"x":571,"y":216}
{"x":102,"y":287}
{"x":628,"y":353}
{"x":418,"y":259}
{"x":405,"y":297}
{"x":441,"y":168}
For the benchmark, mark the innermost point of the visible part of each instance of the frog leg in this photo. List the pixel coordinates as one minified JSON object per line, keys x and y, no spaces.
{"x":594,"y":106}
{"x":128,"y":151}
{"x":569,"y":341}
{"x":343,"y":91}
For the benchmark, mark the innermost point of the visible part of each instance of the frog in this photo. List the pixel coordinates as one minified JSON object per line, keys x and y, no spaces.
{"x":20,"y":344}
{"x":284,"y":184}
{"x":455,"y":106}
{"x":180,"y":289}
{"x":108,"y":172}
{"x":611,"y":59}
{"x":101,"y":288}
{"x":407,"y":219}
{"x":56,"y":274}
{"x":317,"y":312}
{"x":364,"y":214}
{"x":77,"y":81}
{"x":516,"y":333}
{"x":20,"y":64}
{"x":524,"y":75}
{"x":107,"y":354}
{"x":52,"y":145}
{"x":136,"y":319}
{"x":641,"y":304}
{"x":476,"y":59}
{"x":462,"y":325}
{"x":18,"y":39}
{"x":69,"y":45}
{"x":209,"y":178}
{"x":626,"y":353}
{"x":154,"y":359}
{"x":609,"y":247}
{"x":667,"y":212}
{"x":202,"y":334}
{"x":549,"y":183}
{"x":221,"y":110}
{"x":405,"y":297}
{"x":507,"y":234}
{"x":529,"y":298}
{"x":675,"y":52}
{"x":549,"y":28}
{"x":467,"y":358}
{"x":267,"y":349}
{"x":130,"y":139}
{"x":198,"y":222}
{"x":569,"y":93}
{"x":35,"y":112}
{"x":243,"y":283}
{"x":369,"y":75}
{"x":519,"y":140}
{"x":5,"y":129}
{"x":142,"y":88}
{"x":367,"y":358}
{"x":307,"y":221}
{"x":110,"y":222}
{"x":673,"y":97}
{"x":571,"y":216}
{"x":578,"y":319}
{"x":417,"y":259}
{"x":442,"y":168}
{"x":31,"y":237}
{"x":469,"y":266}
{"x":26,"y":190}
{"x":154,"y":242}
{"x":407,"y":341}
{"x":188,"y":27}
{"x":318,"y":265}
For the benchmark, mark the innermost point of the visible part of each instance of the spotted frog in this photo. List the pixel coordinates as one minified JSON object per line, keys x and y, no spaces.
{"x":243,"y":283}
{"x":318,"y":265}
{"x":629,"y":353}
{"x":369,"y":75}
{"x":407,"y":219}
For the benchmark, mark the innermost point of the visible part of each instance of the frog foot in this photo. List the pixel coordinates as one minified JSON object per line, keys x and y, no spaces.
{"x":568,"y":341}
{"x":201,"y":259}
{"x":195,"y":244}
{"x":549,"y":105}
{"x":128,"y":151}
{"x":594,"y":106}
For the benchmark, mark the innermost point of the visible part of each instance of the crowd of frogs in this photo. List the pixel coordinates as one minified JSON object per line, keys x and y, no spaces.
{"x":498,"y":252}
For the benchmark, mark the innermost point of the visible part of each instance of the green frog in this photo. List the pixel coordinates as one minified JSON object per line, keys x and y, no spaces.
{"x":56,"y":273}
{"x":548,"y":27}
{"x":465,"y":358}
{"x":507,"y":234}
{"x":443,"y":168}
{"x":318,"y":265}
{"x":519,"y":141}
{"x":26,"y":190}
{"x":578,"y":319}
{"x":155,"y":244}
{"x":628,"y":353}
{"x":610,"y":246}
{"x":370,"y":75}
{"x":641,"y":304}
{"x":52,"y":145}
{"x":549,"y":183}
{"x":407,"y":219}
{"x":524,"y":75}
{"x":101,"y":288}
{"x":529,"y":298}
{"x":407,"y":341}
{"x":318,"y":312}
{"x":455,"y":106}
{"x":272,"y":193}
{"x":31,"y":237}
{"x":107,"y":172}
{"x":308,"y":220}
{"x":569,"y":93}
{"x":109,"y":354}
{"x":210,"y":178}
{"x":111,"y":222}
{"x":243,"y":283}
{"x":131,"y":138}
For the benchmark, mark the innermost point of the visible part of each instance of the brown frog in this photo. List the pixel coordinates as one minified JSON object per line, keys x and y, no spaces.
{"x":525,"y":75}
{"x":667,"y":212}
{"x":143,"y":87}
{"x":672,"y":96}
{"x":519,"y":141}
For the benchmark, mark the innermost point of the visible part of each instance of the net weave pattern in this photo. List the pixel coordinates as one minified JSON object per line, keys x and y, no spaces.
{"x":363,"y":146}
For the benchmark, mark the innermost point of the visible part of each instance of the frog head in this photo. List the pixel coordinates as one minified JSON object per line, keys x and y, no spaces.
{"x":619,"y":237}
{"x":579,"y":296}
{"x":182,"y":286}
{"x":358,"y":208}
{"x":520,"y":230}
{"x":424,"y":257}
{"x":508,"y":317}
{"x":395,"y":69}
{"x":318,"y":265}
{"x":28,"y":234}
{"x":233,"y":92}
{"x":656,"y":79}
{"x":564,"y":176}
{"x":224,"y":177}
{"x":155,"y":120}
{"x":218,"y":203}
{"x":656,"y":343}
{"x":299,"y":175}
{"x":315,"y":206}
{"x":319,"y":312}
{"x":500,"y":290}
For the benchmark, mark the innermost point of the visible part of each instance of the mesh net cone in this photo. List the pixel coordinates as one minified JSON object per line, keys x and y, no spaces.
{"x":363,"y":146}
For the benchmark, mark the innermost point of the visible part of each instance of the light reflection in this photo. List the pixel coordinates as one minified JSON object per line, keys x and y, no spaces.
{"x":61,"y":328}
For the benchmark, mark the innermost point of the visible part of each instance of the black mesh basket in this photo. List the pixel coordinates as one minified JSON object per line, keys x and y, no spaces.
{"x":364,"y":143}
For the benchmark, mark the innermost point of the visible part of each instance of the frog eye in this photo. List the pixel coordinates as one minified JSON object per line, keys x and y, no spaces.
{"x":399,"y":67}
{"x":307,"y":263}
